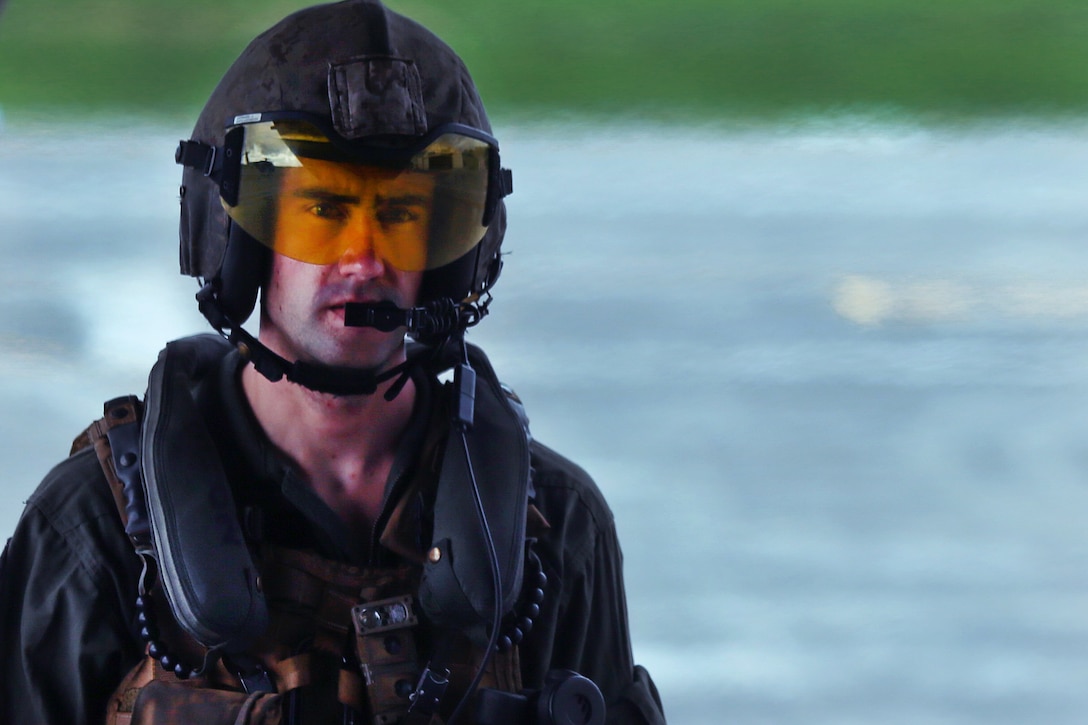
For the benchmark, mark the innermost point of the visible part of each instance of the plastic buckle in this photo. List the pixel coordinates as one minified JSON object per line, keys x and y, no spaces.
{"x":256,"y":681}
{"x":432,"y":686}
{"x":185,"y":151}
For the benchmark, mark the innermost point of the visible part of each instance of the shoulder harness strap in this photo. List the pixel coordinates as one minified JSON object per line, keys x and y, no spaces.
{"x":115,"y":439}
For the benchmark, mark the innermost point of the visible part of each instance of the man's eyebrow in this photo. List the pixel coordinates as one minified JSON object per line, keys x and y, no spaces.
{"x":322,"y":195}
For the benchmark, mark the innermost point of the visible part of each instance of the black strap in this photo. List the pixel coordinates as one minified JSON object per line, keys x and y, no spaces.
{"x":321,"y":378}
{"x":201,"y":156}
{"x":124,"y":439}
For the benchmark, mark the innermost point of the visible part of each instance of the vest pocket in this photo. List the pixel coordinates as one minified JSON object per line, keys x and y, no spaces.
{"x":166,"y":702}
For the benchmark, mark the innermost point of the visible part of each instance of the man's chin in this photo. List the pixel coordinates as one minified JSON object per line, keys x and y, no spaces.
{"x":366,"y":349}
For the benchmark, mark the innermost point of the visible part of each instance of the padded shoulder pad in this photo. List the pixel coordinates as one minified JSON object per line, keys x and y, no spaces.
{"x":457,"y":589}
{"x":207,"y":573}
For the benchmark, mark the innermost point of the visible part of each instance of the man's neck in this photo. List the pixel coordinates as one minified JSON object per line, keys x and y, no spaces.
{"x":344,"y":446}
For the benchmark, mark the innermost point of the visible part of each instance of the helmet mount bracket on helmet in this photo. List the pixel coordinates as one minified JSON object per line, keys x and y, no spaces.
{"x":376,"y":96}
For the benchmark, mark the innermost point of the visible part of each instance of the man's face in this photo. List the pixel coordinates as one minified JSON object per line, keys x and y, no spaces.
{"x":369,"y":225}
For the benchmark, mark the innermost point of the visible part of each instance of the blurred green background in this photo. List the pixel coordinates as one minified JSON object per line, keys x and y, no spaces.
{"x":659,"y":59}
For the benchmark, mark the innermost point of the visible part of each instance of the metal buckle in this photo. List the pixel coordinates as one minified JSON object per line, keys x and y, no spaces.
{"x":209,"y":163}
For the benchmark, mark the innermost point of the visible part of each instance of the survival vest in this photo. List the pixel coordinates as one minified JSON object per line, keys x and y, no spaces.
{"x":241,"y":631}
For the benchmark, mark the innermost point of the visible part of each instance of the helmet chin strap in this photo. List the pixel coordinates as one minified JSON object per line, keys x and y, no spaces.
{"x":440,"y":320}
{"x":321,"y":378}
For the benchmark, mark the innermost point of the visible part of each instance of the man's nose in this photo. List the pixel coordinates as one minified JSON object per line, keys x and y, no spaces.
{"x":360,"y":256}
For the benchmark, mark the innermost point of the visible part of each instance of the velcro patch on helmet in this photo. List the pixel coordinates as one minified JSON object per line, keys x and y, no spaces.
{"x":376,"y":96}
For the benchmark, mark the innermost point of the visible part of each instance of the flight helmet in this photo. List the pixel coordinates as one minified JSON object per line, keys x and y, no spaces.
{"x":349,"y":85}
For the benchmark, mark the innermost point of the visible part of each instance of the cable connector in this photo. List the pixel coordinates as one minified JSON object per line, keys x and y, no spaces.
{"x":463,"y":402}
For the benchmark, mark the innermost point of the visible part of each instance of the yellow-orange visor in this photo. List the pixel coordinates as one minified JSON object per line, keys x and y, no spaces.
{"x":303,"y":196}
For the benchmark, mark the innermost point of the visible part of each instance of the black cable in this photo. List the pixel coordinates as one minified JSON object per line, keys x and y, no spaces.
{"x":493,"y":560}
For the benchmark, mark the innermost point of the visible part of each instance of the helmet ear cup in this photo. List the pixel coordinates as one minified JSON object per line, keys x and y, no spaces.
{"x":244,"y":269}
{"x":474,"y":272}
{"x":453,"y":280}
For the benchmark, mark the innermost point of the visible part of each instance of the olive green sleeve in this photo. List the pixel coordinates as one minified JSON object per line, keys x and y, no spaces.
{"x":68,"y":581}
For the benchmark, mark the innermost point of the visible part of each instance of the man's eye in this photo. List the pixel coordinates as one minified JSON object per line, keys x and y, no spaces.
{"x":327,"y":210}
{"x":397,"y":215}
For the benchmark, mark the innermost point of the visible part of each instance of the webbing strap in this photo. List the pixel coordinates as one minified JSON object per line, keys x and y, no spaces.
{"x":293,"y":672}
{"x":200,"y":156}
{"x":115,"y":438}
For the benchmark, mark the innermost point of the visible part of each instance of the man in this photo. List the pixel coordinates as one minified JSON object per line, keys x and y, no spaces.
{"x":307,"y":526}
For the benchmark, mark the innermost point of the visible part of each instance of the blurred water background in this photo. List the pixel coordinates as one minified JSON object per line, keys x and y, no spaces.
{"x":831,"y":380}
{"x":828,"y":366}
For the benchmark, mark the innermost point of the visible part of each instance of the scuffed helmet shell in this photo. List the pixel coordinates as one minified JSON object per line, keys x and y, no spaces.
{"x":287,"y":69}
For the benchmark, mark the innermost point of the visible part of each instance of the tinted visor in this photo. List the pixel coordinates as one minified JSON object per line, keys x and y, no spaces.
{"x":316,"y":200}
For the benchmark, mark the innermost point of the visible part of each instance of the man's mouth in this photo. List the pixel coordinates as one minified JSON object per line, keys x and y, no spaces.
{"x":340,"y":305}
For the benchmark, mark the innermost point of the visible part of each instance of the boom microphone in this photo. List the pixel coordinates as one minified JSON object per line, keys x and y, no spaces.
{"x":439,"y":318}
